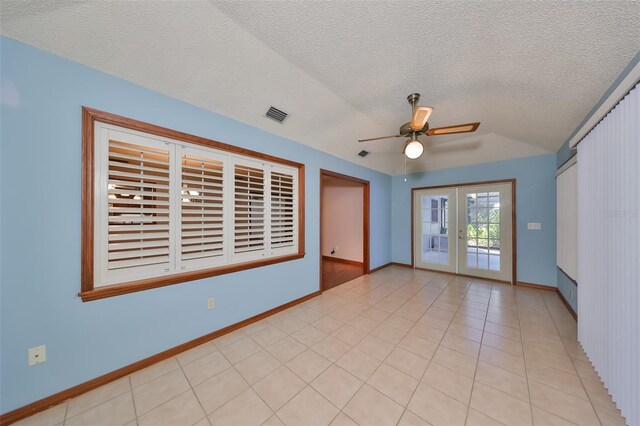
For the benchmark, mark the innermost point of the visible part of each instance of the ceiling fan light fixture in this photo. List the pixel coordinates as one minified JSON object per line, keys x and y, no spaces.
{"x":414,"y":148}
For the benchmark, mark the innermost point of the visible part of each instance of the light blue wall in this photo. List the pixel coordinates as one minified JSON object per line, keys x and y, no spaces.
{"x":40,"y":231}
{"x":535,"y":198}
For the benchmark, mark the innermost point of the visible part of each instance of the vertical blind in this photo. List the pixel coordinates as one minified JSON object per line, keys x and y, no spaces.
{"x":567,"y":229}
{"x":609,"y":252}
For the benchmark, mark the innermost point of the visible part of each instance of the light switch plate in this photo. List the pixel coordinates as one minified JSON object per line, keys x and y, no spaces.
{"x":37,"y":355}
{"x":536,"y":226}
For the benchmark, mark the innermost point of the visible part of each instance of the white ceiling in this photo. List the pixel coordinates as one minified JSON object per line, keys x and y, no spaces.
{"x":529,"y":71}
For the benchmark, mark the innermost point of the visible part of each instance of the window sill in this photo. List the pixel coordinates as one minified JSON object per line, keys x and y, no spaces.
{"x":147,"y":284}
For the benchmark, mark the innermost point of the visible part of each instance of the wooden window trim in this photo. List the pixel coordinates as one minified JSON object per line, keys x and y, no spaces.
{"x":88,"y":292}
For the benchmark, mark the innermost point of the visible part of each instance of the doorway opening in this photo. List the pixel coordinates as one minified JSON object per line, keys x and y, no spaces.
{"x":466,"y":229}
{"x":344,"y":228}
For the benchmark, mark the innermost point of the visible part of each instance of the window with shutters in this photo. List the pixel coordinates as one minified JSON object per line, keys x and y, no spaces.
{"x":162,"y":207}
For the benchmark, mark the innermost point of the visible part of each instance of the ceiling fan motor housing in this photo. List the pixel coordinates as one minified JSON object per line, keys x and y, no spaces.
{"x":405,"y":129}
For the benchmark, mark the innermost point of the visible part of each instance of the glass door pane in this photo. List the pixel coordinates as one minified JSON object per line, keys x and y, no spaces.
{"x":432,"y":245}
{"x":485,"y":231}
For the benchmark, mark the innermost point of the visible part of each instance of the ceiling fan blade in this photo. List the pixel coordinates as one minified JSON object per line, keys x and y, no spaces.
{"x":449,"y":130}
{"x":382,"y":137}
{"x":420,"y":116}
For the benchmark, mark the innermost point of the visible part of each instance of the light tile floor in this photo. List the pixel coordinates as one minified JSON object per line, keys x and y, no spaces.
{"x":396,"y":347}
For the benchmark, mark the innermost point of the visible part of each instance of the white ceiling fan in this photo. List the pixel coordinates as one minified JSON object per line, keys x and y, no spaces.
{"x":419,"y":125}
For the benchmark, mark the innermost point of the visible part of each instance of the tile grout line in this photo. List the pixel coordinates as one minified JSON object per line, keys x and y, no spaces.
{"x":475,"y":373}
{"x":524,"y":357}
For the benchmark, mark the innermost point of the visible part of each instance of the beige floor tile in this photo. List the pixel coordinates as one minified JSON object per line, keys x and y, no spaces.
{"x":308,"y":365}
{"x":419,"y":346}
{"x":208,"y":366}
{"x":273,"y":421}
{"x":408,"y":362}
{"x":411,"y":419}
{"x":514,"y":347}
{"x":327,"y":324}
{"x":245,"y":409}
{"x":219,"y":389}
{"x":286,"y":349}
{"x":609,"y":417}
{"x":469,"y":321}
{"x":49,"y":417}
{"x":252,"y":329}
{"x":343,"y":420}
{"x":557,"y":379}
{"x":309,"y":336}
{"x":348,"y":312}
{"x":502,"y":359}
{"x":363,"y":323}
{"x":154,"y":371}
{"x":358,"y":363}
{"x":202,"y":422}
{"x":390,"y":334}
{"x":449,"y":382}
{"x":469,"y":333}
{"x":543,"y":418}
{"x":476,"y":418}
{"x":561,"y":404}
{"x":399,"y":323}
{"x":240,"y":350}
{"x":393,"y":383}
{"x":114,"y":412}
{"x":436,"y":407}
{"x":307,"y":408}
{"x":159,"y":391}
{"x":290,"y":324}
{"x":331,"y":348}
{"x":184,"y":409}
{"x":348,"y":334}
{"x":585,"y":370}
{"x":98,"y":396}
{"x":500,"y":406}
{"x":370,"y":407}
{"x":548,"y":358}
{"x":455,"y":361}
{"x":501,"y":330}
{"x":229,"y":339}
{"x":376,"y":347}
{"x":257,"y":366}
{"x":336,"y":385}
{"x":598,"y":395}
{"x":430,"y":321}
{"x":196,"y":353}
{"x":462,"y":345}
{"x":503,"y":380}
{"x":268,"y":336}
{"x":279,"y":387}
{"x":544,"y":342}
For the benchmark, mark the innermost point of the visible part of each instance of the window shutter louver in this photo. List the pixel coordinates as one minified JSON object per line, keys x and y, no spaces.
{"x":283,"y":210}
{"x":249,"y":209}
{"x":201,"y":207}
{"x":137,"y":179}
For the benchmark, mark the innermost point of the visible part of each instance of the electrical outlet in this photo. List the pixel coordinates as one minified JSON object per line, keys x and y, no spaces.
{"x":211,"y":303}
{"x":535,"y":226}
{"x":37,"y":355}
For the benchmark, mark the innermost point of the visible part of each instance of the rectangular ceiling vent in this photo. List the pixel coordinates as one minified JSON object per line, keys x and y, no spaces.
{"x":276,"y":114}
{"x":363,"y":153}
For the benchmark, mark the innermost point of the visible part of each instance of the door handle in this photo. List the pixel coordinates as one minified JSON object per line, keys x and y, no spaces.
{"x":460,"y":235}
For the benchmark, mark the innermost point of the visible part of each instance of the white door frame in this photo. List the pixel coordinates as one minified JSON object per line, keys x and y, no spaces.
{"x":513,"y":279}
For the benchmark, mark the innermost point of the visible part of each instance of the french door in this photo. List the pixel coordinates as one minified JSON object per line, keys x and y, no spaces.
{"x":465,"y":229}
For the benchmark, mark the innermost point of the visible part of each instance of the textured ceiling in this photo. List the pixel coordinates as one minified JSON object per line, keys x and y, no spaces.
{"x":529,"y":71}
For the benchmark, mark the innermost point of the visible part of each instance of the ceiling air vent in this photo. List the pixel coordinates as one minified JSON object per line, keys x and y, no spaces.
{"x":276,"y":114}
{"x":363,"y":153}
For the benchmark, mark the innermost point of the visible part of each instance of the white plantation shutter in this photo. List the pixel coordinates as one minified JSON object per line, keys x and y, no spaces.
{"x":249,"y":210}
{"x":135,"y":229}
{"x":283,"y":228}
{"x":202,"y":214}
{"x":162,"y":207}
